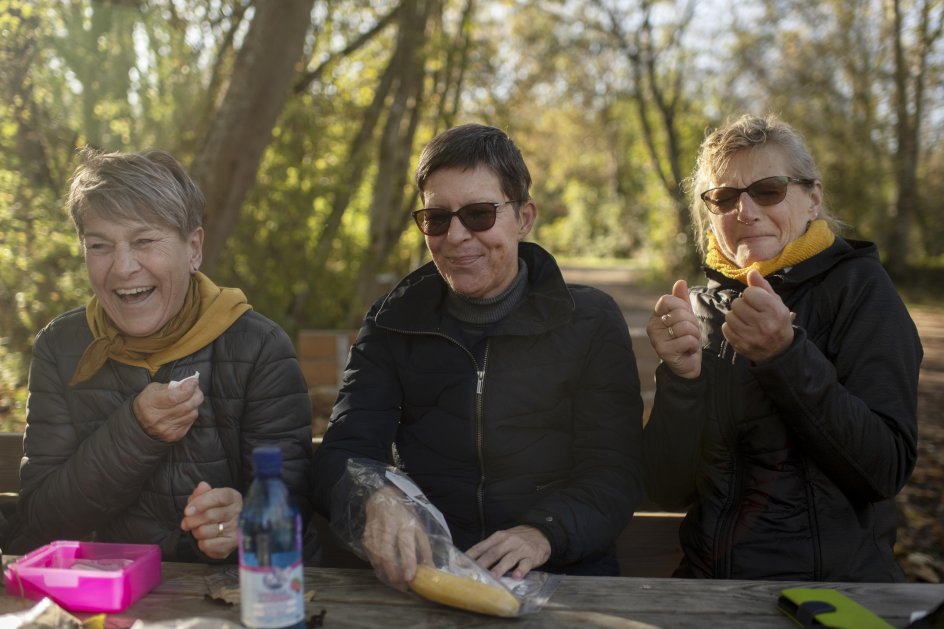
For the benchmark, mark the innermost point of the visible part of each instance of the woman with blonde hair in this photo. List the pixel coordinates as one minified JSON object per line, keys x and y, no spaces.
{"x":784,"y":415}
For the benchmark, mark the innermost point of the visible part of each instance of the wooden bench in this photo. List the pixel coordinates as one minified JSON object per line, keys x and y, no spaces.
{"x":11,"y":451}
{"x":322,"y":355}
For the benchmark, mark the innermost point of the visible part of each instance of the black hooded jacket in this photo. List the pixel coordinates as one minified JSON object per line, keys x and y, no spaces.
{"x":790,"y":467}
{"x":539,"y":424}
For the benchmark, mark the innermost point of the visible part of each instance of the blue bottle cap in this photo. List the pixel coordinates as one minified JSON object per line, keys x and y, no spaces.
{"x":267,"y":460}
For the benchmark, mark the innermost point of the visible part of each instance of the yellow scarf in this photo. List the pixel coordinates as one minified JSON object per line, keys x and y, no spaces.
{"x":817,"y":238}
{"x":207,"y":312}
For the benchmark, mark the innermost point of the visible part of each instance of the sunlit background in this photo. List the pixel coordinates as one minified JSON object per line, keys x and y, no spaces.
{"x":302,"y":119}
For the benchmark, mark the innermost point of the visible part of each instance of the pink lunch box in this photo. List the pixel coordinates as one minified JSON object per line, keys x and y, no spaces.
{"x":86,"y":576}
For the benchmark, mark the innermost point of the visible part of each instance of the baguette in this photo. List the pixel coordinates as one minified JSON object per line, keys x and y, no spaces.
{"x":463,"y":592}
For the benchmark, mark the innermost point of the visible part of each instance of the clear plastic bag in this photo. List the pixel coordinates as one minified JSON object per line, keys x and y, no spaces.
{"x":369,"y":484}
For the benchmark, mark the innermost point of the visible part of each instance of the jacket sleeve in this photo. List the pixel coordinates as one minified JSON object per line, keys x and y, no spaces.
{"x":70,"y":483}
{"x":586,"y":514}
{"x":853,"y":405}
{"x":365,"y":416}
{"x":277,"y":412}
{"x":672,"y":438}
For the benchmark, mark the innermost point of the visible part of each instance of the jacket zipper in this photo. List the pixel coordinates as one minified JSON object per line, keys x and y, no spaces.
{"x":480,"y":437}
{"x":814,"y":522}
{"x":724,"y":538}
{"x":478,"y":412}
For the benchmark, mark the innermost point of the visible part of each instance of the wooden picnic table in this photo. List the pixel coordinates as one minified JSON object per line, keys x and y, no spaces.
{"x":355,"y":598}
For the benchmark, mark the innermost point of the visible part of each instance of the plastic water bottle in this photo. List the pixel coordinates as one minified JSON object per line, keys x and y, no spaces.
{"x":271,"y":585}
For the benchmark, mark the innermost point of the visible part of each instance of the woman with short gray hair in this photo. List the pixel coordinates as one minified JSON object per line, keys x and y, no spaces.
{"x":145,"y":405}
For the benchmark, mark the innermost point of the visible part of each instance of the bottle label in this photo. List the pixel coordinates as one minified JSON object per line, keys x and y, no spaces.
{"x":272,"y":596}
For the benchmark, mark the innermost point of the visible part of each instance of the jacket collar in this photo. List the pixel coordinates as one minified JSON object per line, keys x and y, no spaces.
{"x":416,"y":304}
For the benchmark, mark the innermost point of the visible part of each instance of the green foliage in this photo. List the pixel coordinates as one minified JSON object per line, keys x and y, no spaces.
{"x":120,"y":77}
{"x":609,"y":122}
{"x":270,"y":254}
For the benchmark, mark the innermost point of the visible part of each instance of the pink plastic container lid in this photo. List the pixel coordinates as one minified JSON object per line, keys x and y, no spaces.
{"x":86,"y":576}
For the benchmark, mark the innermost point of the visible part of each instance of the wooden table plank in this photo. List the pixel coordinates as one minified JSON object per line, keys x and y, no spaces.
{"x":354,"y":598}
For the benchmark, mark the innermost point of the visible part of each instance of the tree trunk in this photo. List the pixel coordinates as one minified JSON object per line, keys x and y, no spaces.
{"x":226,"y":167}
{"x":910,"y":72}
{"x":388,"y":216}
{"x":657,"y":94}
{"x":358,"y":160}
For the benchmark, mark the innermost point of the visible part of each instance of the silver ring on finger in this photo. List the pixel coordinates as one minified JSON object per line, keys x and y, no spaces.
{"x":671,"y":332}
{"x":665,"y":319}
{"x":219,"y":529}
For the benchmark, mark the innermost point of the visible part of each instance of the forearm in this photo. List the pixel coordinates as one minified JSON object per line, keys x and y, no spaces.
{"x":364,"y":419}
{"x":70,"y":488}
{"x":583,"y":514}
{"x":861,"y":432}
{"x":344,"y":440}
{"x":672,"y":439}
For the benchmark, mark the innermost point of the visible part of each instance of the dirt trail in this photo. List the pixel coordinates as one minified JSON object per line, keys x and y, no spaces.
{"x":920,"y":546}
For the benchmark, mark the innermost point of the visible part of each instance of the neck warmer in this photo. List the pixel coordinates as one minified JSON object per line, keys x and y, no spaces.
{"x":818,"y":237}
{"x":492,"y":309}
{"x":207,"y":312}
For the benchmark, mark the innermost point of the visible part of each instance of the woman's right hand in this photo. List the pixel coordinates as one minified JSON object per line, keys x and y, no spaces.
{"x":165,"y":412}
{"x":212,"y":517}
{"x":674,"y":334}
{"x":394,"y":538}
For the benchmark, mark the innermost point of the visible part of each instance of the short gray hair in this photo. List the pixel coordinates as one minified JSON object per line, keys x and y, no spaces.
{"x":747,"y":132}
{"x":150,"y":186}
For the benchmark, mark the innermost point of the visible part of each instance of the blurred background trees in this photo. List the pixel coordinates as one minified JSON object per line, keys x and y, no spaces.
{"x":302,"y":119}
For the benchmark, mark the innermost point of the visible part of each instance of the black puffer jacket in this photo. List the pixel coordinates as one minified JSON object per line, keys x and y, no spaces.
{"x":791,"y":467}
{"x":553,"y":439}
{"x":90,"y":471}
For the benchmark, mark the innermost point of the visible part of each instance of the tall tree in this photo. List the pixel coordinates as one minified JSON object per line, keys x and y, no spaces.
{"x":659,"y":67}
{"x":912,"y":54}
{"x":226,"y":166}
{"x":388,"y":216}
{"x":863,"y":69}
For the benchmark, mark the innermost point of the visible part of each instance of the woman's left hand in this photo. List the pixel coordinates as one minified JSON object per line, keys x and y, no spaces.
{"x":519,"y":549}
{"x":212,"y":516}
{"x":759,"y":325}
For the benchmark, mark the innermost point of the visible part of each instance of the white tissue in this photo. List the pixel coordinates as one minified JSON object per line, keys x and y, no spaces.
{"x":173,"y":384}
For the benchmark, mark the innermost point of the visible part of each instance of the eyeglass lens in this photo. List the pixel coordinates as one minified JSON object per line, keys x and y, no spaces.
{"x":477,"y":217}
{"x":767,"y":191}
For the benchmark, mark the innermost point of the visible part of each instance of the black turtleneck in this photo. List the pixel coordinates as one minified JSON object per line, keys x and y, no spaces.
{"x":476,"y":316}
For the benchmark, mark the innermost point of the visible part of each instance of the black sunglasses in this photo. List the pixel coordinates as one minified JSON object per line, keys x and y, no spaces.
{"x":766,"y":191}
{"x":476,"y":217}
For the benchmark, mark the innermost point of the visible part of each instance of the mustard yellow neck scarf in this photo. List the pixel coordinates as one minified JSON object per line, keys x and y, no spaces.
{"x":207,"y":312}
{"x":817,"y":238}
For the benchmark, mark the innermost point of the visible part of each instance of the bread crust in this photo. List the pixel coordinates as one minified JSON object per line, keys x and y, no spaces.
{"x":463,"y":592}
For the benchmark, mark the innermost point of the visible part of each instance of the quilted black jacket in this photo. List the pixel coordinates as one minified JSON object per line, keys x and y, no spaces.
{"x":791,"y":467}
{"x":90,"y":472}
{"x":541,"y":426}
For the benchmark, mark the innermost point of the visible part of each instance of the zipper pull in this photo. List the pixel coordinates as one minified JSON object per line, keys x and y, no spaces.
{"x":480,"y":383}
